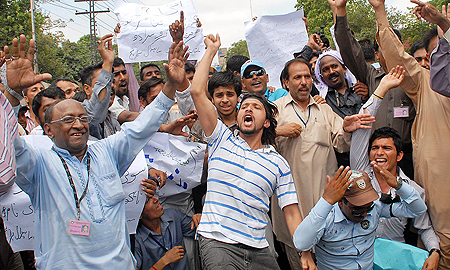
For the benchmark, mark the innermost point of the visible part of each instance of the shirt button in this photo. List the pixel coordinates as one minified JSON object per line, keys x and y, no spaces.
{"x":356,"y":243}
{"x":342,"y":248}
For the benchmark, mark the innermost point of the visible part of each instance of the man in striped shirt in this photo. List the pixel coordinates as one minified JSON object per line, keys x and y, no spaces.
{"x":244,"y":172}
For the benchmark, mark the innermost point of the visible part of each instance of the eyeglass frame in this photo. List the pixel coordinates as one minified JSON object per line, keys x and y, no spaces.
{"x":75,"y":118}
{"x":359,"y":211}
{"x":250,"y":74}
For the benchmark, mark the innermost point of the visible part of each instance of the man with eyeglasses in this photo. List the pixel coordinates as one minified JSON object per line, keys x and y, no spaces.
{"x":75,"y":186}
{"x":254,"y":80}
{"x":343,"y":224}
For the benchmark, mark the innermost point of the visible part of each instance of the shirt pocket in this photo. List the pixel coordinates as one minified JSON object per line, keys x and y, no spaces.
{"x":110,"y":187}
{"x":321,"y":134}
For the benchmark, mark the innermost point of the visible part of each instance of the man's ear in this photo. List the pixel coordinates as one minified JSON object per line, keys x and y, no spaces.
{"x":286,"y":83}
{"x":88,"y":90}
{"x":267,"y":77}
{"x":142,"y":102}
{"x":400,"y":156}
{"x":266,"y":123}
{"x":48,"y":130}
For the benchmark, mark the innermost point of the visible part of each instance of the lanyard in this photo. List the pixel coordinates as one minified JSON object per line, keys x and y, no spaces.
{"x":162,"y":237}
{"x":69,"y":176}
{"x":301,"y":119}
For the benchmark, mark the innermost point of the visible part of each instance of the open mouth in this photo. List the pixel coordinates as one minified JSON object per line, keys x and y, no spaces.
{"x":256,"y":83}
{"x":248,"y":120}
{"x":381,"y":161}
{"x":333,"y":77}
{"x":123,"y":84}
{"x":77,"y":134}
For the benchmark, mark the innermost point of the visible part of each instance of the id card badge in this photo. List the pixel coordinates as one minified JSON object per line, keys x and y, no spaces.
{"x":400,"y":112}
{"x":79,"y":227}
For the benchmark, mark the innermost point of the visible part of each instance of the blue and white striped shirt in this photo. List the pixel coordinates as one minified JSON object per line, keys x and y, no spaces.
{"x":240,"y":184}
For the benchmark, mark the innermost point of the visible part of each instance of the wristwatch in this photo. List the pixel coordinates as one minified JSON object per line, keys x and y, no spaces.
{"x":12,"y":92}
{"x":399,"y":183}
{"x":434,"y":250}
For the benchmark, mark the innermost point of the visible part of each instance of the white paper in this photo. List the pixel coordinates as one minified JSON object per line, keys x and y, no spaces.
{"x":18,"y":214}
{"x":181,"y":160}
{"x":18,"y":217}
{"x":144,"y":34}
{"x":273,"y":40}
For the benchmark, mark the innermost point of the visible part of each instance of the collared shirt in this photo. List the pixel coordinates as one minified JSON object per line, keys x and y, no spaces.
{"x":8,"y":133}
{"x":120,"y":105}
{"x":240,"y":183}
{"x":343,"y":104}
{"x":30,"y":122}
{"x":310,"y":156}
{"x":354,"y":60}
{"x":42,"y":176}
{"x":343,"y":244}
{"x":391,"y":228}
{"x":430,"y":132}
{"x":174,"y":226}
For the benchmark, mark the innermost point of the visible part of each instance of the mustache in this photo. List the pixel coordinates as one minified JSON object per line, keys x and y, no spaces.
{"x":332,"y":76}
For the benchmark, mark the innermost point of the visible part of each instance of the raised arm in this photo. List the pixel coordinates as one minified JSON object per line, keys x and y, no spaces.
{"x":309,"y":232}
{"x":97,"y":106}
{"x":393,"y":51}
{"x":350,"y":50}
{"x":359,"y":157}
{"x":205,"y":109}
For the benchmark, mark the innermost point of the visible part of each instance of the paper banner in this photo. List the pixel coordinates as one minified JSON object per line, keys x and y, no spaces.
{"x":144,"y":34}
{"x":181,"y":160}
{"x":273,"y":40}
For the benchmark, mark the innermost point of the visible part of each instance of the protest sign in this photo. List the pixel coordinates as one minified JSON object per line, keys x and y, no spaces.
{"x":18,"y":214}
{"x":273,"y":40}
{"x":144,"y":34}
{"x":181,"y":160}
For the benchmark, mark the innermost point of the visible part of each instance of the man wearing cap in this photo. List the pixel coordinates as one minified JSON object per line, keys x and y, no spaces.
{"x":254,"y":80}
{"x":342,"y":225}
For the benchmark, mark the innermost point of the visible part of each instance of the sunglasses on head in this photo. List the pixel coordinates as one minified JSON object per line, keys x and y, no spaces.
{"x":258,"y":72}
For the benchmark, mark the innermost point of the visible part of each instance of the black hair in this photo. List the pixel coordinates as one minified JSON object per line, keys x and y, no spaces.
{"x":22,"y":110}
{"x":224,"y":79}
{"x":429,"y":35}
{"x":87,"y":74}
{"x":188,"y":67}
{"x":416,"y":46}
{"x":376,"y":47}
{"x":147,"y":85}
{"x":387,"y":132}
{"x":141,"y":73}
{"x":235,"y":63}
{"x":80,"y":96}
{"x":269,"y":134}
{"x":285,"y":71}
{"x":368,"y":50}
{"x":49,"y":113}
{"x":53,"y":92}
{"x":118,"y":62}
{"x":63,"y":80}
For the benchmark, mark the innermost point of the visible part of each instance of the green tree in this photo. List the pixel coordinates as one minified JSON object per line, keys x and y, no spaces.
{"x":238,"y":48}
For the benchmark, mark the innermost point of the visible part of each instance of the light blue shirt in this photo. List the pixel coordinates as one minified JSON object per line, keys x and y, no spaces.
{"x":42,"y":176}
{"x":343,"y":244}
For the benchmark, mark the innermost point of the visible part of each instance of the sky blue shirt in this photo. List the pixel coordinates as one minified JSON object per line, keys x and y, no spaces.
{"x":40,"y":173}
{"x":149,"y":245}
{"x":272,"y":96}
{"x":343,"y":244}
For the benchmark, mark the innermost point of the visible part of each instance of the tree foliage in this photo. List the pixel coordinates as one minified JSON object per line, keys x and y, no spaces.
{"x":238,"y":48}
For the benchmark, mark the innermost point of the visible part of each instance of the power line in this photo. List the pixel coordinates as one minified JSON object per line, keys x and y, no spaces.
{"x":54,"y":4}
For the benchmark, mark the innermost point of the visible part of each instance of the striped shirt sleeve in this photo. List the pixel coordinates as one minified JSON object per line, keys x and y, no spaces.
{"x":8,"y":132}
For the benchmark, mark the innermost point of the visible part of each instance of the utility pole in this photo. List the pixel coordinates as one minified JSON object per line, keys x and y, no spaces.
{"x":33,"y":33}
{"x":92,"y":27}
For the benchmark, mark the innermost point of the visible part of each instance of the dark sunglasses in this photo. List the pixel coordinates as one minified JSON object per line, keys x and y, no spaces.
{"x":258,"y":72}
{"x":360,"y":211}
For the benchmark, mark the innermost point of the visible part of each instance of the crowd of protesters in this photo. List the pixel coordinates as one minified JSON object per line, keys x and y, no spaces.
{"x":307,"y":176}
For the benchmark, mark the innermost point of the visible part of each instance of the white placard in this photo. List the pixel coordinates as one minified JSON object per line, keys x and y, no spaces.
{"x":18,"y":214}
{"x":18,"y":217}
{"x":273,"y":40}
{"x":181,"y":160}
{"x":144,"y":34}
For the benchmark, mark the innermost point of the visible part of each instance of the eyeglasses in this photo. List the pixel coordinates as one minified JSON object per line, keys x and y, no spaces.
{"x":258,"y":72}
{"x":70,"y":120}
{"x":360,"y":211}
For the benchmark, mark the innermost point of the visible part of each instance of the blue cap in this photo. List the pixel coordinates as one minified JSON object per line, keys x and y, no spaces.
{"x":250,"y":63}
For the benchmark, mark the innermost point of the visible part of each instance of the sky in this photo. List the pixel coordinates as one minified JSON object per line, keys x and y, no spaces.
{"x":225,"y":17}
